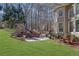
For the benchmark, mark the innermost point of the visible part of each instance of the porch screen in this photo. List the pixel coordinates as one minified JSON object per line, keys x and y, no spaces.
{"x":77,"y":8}
{"x":60,"y":27}
{"x":71,"y":26}
{"x":77,"y":25}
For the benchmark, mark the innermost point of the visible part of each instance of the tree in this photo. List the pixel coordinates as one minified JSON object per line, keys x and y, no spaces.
{"x":33,"y":16}
{"x":8,"y":15}
{"x":20,"y":14}
{"x":13,"y":14}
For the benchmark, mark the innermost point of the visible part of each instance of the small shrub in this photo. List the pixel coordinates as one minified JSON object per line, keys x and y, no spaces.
{"x":75,"y":38}
{"x":59,"y":36}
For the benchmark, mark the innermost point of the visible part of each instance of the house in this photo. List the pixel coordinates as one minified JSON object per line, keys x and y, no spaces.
{"x":66,"y":18}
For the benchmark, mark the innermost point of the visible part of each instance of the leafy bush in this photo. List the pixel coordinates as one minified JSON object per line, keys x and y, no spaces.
{"x":75,"y":38}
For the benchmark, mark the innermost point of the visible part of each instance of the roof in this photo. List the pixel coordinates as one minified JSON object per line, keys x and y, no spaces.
{"x":61,"y":5}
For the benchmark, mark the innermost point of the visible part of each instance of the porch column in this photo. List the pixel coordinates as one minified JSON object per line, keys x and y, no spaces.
{"x":65,"y":21}
{"x":74,"y":22}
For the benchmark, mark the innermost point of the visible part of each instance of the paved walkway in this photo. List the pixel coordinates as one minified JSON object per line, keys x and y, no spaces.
{"x":36,"y":39}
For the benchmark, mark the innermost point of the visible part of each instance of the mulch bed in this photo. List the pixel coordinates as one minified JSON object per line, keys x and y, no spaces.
{"x":62,"y":43}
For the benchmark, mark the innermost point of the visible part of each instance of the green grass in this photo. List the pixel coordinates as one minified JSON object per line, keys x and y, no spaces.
{"x":13,"y":47}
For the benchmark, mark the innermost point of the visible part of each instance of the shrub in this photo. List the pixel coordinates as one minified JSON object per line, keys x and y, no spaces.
{"x":75,"y":38}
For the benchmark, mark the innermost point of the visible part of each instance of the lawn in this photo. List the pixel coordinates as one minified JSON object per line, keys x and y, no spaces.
{"x":12,"y":47}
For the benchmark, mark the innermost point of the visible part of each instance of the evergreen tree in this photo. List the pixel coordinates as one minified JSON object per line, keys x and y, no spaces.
{"x":13,"y":14}
{"x":20,"y":14}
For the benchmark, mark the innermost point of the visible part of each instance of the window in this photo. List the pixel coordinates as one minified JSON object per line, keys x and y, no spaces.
{"x":71,"y":26}
{"x":77,"y":25}
{"x":60,"y":13}
{"x":60,"y":27}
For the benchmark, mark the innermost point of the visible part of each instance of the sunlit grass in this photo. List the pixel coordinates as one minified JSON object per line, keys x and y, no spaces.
{"x":11,"y":46}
